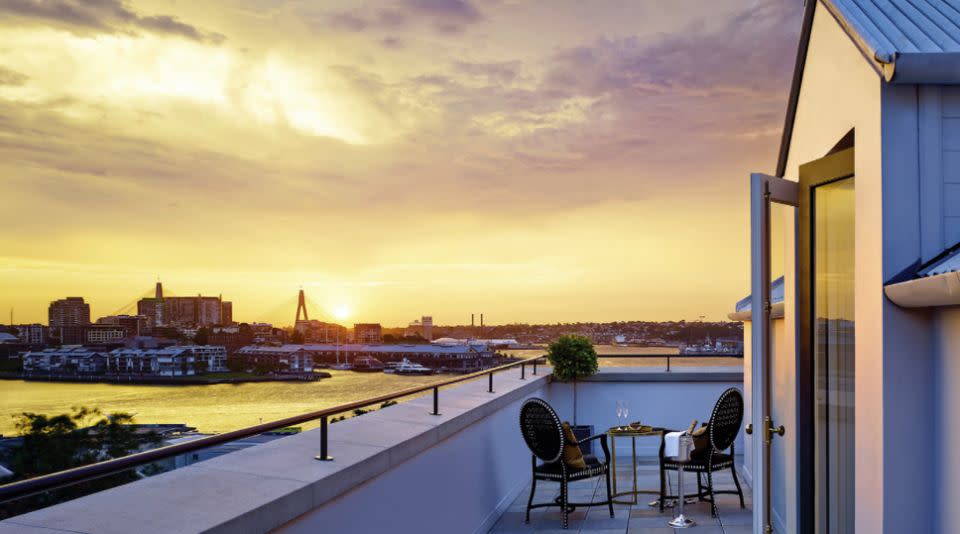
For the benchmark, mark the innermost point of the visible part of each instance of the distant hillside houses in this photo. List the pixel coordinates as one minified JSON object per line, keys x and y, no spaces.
{"x":184,"y":360}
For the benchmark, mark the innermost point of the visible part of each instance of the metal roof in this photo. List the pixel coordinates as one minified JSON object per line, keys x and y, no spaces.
{"x":776,"y":294}
{"x":947,"y":263}
{"x":914,"y":41}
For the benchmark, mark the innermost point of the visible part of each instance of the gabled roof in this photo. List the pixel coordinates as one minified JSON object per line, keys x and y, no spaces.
{"x":905,"y":41}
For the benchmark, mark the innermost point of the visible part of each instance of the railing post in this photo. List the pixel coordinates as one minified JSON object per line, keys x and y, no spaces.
{"x":535,"y":365}
{"x":323,"y":441}
{"x":523,"y":371}
{"x":490,"y":375}
{"x":436,"y":401}
{"x":668,"y":362}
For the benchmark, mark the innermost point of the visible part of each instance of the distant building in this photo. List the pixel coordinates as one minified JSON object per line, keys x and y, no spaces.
{"x":66,"y":316}
{"x":184,"y":360}
{"x":99,"y":334}
{"x":422,"y":327}
{"x":195,"y":311}
{"x":136,"y":325}
{"x":286,"y":358}
{"x":367,"y":333}
{"x":33,"y":334}
{"x":67,"y":359}
{"x":170,"y":361}
{"x":320,"y":332}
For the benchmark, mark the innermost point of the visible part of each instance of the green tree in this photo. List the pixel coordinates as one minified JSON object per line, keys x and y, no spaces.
{"x":572,"y":357}
{"x":64,"y":441}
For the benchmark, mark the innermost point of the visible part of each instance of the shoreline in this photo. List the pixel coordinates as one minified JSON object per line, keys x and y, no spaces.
{"x":199,"y":380}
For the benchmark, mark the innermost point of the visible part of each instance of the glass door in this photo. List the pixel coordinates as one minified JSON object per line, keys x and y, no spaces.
{"x":827,"y":336}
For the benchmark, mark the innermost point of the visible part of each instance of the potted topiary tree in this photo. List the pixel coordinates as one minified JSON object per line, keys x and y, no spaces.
{"x":573,"y":357}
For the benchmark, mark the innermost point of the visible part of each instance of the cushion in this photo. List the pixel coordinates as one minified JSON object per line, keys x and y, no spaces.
{"x":572,"y":455}
{"x":552,"y":470}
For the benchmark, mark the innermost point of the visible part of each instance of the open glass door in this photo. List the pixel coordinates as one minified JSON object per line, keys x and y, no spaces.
{"x":827,"y":336}
{"x":765,"y":191}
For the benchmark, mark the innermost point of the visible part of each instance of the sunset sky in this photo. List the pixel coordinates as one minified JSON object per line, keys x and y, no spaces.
{"x":537,"y":161}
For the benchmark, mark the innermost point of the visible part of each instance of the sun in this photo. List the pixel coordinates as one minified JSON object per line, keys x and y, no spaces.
{"x":341,"y":312}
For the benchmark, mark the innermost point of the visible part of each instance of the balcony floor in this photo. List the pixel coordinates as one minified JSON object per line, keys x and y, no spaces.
{"x":635,"y":519}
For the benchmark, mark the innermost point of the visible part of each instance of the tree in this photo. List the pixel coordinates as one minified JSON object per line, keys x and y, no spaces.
{"x":64,"y":441}
{"x":572,"y":357}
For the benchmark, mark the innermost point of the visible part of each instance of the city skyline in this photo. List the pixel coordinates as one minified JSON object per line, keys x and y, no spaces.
{"x":396,"y":159}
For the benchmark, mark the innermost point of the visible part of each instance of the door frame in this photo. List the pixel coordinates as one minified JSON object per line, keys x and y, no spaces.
{"x":764,"y":190}
{"x":835,"y":166}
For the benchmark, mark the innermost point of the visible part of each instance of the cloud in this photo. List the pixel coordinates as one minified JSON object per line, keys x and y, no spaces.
{"x":445,"y":16}
{"x":12,"y":77}
{"x":392,"y":43}
{"x":100,"y":16}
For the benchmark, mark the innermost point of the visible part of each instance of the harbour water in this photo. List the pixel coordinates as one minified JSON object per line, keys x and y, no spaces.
{"x":223,"y":407}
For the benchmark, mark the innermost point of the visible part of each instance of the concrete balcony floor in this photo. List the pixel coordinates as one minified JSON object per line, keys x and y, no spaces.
{"x":633,"y":519}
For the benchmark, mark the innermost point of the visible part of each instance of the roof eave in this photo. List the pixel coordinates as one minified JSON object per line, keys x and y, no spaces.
{"x":923,"y":68}
{"x":938,"y":290}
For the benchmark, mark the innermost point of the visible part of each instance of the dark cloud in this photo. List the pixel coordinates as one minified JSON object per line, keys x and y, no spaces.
{"x":99,"y":16}
{"x":392,"y":43}
{"x":751,"y":52}
{"x":448,"y":11}
{"x":445,"y":16}
{"x":12,"y":77}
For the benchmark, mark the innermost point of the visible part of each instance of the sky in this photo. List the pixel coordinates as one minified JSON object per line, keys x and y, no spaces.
{"x":535,"y":161}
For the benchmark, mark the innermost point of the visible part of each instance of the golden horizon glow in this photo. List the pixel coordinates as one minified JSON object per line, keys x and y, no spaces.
{"x":533,"y":161}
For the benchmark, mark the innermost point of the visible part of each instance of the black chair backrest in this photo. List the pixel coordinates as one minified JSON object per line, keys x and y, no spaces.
{"x":541,"y":430}
{"x":726,"y":419}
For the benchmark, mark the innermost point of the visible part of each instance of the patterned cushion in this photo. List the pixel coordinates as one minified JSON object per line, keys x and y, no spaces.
{"x":572,"y":454}
{"x":593,"y":467}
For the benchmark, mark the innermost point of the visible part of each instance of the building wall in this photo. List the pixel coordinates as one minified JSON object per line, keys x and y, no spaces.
{"x":939,"y":135}
{"x":946,"y":419}
{"x":841,"y":91}
{"x":490,"y":453}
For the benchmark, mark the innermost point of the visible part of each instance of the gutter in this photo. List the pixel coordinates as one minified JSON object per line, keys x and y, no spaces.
{"x":776,"y":312}
{"x":938,"y":290}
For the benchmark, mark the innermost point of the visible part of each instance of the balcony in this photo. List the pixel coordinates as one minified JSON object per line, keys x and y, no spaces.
{"x":403,"y":469}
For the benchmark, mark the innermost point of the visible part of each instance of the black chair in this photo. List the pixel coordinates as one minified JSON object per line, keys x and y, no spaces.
{"x":722,"y":429}
{"x":543,"y":432}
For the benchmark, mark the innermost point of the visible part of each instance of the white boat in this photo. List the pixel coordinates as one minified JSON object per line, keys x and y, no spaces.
{"x":341,"y":367}
{"x":406,"y":367}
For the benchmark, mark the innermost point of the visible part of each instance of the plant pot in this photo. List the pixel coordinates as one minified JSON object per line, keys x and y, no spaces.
{"x":582,"y":432}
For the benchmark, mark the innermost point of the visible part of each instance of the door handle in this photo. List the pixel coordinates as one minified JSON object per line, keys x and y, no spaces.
{"x":770,"y":430}
{"x":749,"y":429}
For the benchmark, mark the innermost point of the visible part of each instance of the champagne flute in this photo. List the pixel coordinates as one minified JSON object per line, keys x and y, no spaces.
{"x":626,"y":412}
{"x":619,"y":415}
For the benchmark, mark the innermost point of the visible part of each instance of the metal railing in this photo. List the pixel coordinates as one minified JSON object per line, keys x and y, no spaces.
{"x":77,"y":475}
{"x":59,"y":479}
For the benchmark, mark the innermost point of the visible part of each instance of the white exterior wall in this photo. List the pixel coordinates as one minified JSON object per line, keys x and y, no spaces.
{"x":946,"y":420}
{"x":840,"y":92}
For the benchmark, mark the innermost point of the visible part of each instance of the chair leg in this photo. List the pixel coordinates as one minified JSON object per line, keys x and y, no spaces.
{"x":713,"y":500}
{"x":733,"y":470}
{"x":663,"y":487}
{"x":609,"y":495}
{"x":563,"y":503}
{"x":699,"y":487}
{"x":533,"y":489}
